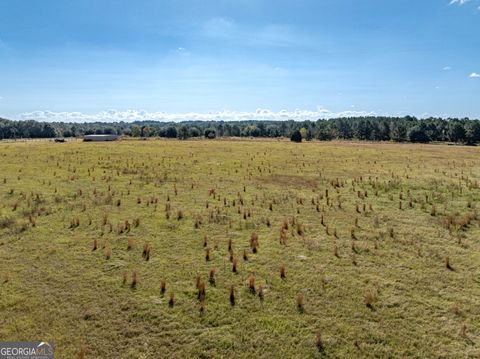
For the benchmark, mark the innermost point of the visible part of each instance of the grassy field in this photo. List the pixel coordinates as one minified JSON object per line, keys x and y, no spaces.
{"x":379,"y":244}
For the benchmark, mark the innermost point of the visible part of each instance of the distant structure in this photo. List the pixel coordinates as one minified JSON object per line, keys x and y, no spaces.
{"x":100,"y":138}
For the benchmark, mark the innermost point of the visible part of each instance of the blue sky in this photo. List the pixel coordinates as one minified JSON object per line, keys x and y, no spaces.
{"x":234,"y":59}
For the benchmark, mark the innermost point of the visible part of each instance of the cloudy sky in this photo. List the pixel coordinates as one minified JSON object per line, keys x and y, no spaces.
{"x":85,"y":60}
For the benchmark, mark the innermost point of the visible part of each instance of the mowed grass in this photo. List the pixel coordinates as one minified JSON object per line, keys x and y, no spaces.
{"x":393,"y":270}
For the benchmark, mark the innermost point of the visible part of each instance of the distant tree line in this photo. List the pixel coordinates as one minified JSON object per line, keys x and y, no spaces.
{"x":398,"y":129}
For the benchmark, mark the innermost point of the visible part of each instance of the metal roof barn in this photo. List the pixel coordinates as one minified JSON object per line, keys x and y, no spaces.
{"x":97,"y":138}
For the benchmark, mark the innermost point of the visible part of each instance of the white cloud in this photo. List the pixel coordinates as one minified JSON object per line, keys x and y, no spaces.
{"x":459,"y":2}
{"x":3,"y":45}
{"x":220,"y":27}
{"x":474,"y":75}
{"x":277,"y":35}
{"x":447,"y":68}
{"x":226,"y":115}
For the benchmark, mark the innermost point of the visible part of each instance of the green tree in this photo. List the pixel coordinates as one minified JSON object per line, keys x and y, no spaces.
{"x":418,"y":134}
{"x":398,"y":131}
{"x":456,"y":131}
{"x":296,"y":136}
{"x":303,"y":132}
{"x":171,"y":132}
{"x":473,"y":132}
{"x":147,"y":131}
{"x":194,"y":132}
{"x":235,"y":131}
{"x":183,"y":132}
{"x":48,"y":131}
{"x":136,"y":131}
{"x":210,"y":133}
{"x":273,"y":131}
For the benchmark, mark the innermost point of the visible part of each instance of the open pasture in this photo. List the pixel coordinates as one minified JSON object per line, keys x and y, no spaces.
{"x":164,"y":249}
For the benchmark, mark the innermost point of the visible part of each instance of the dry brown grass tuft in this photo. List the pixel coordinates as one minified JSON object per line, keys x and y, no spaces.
{"x":301,"y":302}
{"x":300,"y":229}
{"x":136,"y":222}
{"x":448,"y":264}
{"x":356,"y":341}
{"x":82,"y":352}
{"x":171,"y":301}
{"x":211,"y":276}
{"x":145,"y":249}
{"x":251,"y":284}
{"x":369,"y":298}
{"x":232,"y":295}
{"x":261,"y":293}
{"x":391,"y":232}
{"x":254,"y":246}
{"x":133,"y":285}
{"x":179,"y":214}
{"x":267,"y":222}
{"x":456,"y":309}
{"x":352,"y":234}
{"x":108,"y":253}
{"x":335,"y":251}
{"x":201,"y":291}
{"x":198,"y":221}
{"x":354,"y":259}
{"x":354,"y":248}
{"x":283,"y":236}
{"x":319,"y":341}
{"x":234,"y":265}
